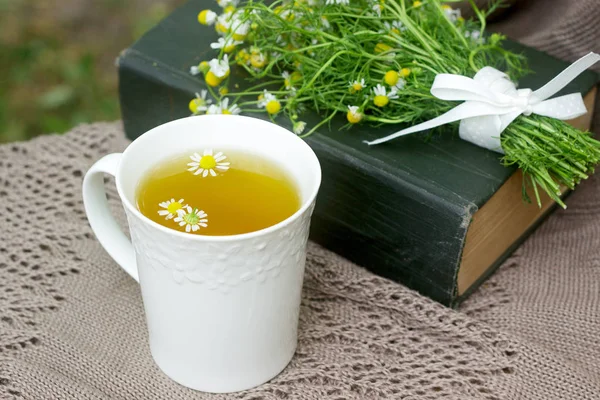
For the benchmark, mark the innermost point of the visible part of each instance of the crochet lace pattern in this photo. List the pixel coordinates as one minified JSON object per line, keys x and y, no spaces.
{"x":72,"y":323}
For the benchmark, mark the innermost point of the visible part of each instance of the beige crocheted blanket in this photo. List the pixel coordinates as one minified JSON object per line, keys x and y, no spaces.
{"x":72,"y":323}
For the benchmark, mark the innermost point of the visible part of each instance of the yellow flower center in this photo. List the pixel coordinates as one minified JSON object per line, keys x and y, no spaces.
{"x":173,"y":207}
{"x":229,"y":9}
{"x":202,"y":17}
{"x":229,"y":48}
{"x":204,"y":66}
{"x":226,"y":112}
{"x":239,"y":36}
{"x":417,"y":4}
{"x":220,"y":28}
{"x":391,"y":78}
{"x":287,"y":82}
{"x":381,"y":47}
{"x":381,"y":101}
{"x":446,"y":7}
{"x":354,"y":118}
{"x":209,"y":162}
{"x":404,"y":72}
{"x":357,"y":86}
{"x":273,"y":106}
{"x":195,"y":103}
{"x":212,"y":80}
{"x":296,"y":76}
{"x":396,"y":31}
{"x":258,"y":60}
{"x":223,"y":91}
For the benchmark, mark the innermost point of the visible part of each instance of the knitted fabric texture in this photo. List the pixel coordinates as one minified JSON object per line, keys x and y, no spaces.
{"x":72,"y":323}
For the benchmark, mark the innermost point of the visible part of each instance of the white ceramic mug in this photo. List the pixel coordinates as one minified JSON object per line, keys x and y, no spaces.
{"x":222,"y":311}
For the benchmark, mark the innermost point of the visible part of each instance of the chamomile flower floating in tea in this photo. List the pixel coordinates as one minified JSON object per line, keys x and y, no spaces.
{"x":171,"y":208}
{"x":208,"y":163}
{"x":246,"y":195}
{"x":192,"y":219}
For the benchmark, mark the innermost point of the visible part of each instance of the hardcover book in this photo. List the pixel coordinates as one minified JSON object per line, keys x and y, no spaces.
{"x":430,"y":211}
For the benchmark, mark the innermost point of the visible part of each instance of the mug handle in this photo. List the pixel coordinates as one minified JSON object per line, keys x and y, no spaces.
{"x":106,"y":229}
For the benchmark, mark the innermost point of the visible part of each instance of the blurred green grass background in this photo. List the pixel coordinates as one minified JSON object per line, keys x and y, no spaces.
{"x":57,"y":60}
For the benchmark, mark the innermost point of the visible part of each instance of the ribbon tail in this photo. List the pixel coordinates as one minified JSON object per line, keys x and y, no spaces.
{"x":565,"y":77}
{"x":465,"y":110}
{"x":564,"y":107}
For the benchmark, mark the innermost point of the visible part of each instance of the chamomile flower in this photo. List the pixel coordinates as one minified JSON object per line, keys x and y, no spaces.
{"x":229,"y":110}
{"x":378,"y":7}
{"x":242,"y":57}
{"x":213,"y":109}
{"x":357,"y":85}
{"x":475,"y":36}
{"x":223,"y":23}
{"x":208,"y":163}
{"x":171,"y":208}
{"x":382,"y":97}
{"x":452,"y":14}
{"x":207,"y":17}
{"x":353,"y":115}
{"x":258,"y":60}
{"x":192,"y":219}
{"x":219,"y":70}
{"x":228,"y":45}
{"x":200,"y":102}
{"x":395,"y":27}
{"x":325,"y":22}
{"x":391,"y":77}
{"x":239,"y":29}
{"x":299,"y":127}
{"x":202,"y":67}
{"x":404,"y":72}
{"x":400,"y":84}
{"x":227,"y":3}
{"x":287,"y":81}
{"x":417,"y":4}
{"x":384,"y":48}
{"x":269,"y":102}
{"x":290,"y":79}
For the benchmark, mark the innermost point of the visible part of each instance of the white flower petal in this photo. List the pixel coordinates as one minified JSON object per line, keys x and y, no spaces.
{"x":205,"y":173}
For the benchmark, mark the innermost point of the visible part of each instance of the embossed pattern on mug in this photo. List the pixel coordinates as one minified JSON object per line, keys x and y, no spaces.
{"x":220,"y":192}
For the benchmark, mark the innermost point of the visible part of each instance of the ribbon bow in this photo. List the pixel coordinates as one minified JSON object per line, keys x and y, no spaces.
{"x":492,"y":102}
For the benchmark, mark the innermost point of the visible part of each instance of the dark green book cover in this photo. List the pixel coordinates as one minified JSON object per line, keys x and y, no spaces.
{"x":401,"y":209}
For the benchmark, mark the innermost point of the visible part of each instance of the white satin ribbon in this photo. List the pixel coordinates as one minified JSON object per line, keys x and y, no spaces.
{"x":492,"y":102}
